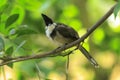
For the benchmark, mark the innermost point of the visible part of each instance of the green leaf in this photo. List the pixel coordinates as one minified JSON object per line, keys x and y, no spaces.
{"x":2,"y":44}
{"x":24,"y":31}
{"x":117,"y":9}
{"x":9,"y":51}
{"x":11,"y":20}
{"x":10,"y":65}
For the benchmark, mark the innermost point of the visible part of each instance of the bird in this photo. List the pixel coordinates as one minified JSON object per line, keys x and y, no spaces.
{"x":62,"y":34}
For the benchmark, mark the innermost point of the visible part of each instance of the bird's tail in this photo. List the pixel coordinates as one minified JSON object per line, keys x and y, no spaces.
{"x":88,"y":56}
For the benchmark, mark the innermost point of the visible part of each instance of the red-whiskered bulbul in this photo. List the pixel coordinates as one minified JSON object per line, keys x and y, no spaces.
{"x":63,"y":34}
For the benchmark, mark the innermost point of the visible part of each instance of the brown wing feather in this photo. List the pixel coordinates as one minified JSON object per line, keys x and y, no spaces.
{"x":67,"y":32}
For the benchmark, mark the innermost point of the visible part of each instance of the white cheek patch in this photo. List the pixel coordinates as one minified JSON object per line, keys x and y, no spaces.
{"x":49,"y":30}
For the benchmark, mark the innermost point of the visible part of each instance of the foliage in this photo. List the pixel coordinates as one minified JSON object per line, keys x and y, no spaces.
{"x":117,"y":8}
{"x":22,"y":33}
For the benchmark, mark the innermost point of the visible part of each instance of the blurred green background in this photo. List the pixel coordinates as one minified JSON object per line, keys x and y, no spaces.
{"x":26,"y":36}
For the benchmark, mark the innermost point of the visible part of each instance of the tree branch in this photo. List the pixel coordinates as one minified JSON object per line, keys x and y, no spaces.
{"x":62,"y":48}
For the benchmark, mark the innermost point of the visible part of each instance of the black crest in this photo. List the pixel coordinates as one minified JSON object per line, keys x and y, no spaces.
{"x":47,"y":19}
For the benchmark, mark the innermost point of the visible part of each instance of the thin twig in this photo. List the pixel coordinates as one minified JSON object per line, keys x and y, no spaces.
{"x":38,"y":71}
{"x":67,"y":67}
{"x":47,"y":54}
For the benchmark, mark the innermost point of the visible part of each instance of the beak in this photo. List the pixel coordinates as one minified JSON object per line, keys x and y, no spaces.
{"x":47,"y":20}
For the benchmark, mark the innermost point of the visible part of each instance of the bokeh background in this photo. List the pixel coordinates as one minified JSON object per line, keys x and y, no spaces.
{"x":103,"y":44}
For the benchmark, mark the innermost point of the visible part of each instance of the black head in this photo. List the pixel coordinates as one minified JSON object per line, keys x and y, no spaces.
{"x":47,"y":20}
